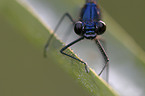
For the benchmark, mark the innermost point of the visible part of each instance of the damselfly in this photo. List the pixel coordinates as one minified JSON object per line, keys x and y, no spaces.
{"x":89,"y":26}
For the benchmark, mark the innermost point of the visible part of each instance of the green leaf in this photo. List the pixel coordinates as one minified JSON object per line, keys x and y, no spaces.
{"x":126,"y":56}
{"x":24,"y":71}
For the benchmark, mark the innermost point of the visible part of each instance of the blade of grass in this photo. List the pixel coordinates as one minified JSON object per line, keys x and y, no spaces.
{"x":36,"y":33}
{"x":114,"y":28}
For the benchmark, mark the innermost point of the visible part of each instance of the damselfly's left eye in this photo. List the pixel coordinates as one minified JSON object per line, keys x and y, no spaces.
{"x":78,"y":28}
{"x":101,"y":27}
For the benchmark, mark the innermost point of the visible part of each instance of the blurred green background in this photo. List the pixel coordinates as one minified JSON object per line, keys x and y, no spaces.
{"x":130,"y":14}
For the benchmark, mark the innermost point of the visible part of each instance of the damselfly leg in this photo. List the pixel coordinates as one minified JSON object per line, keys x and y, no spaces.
{"x":70,"y":44}
{"x":55,"y":30}
{"x":89,"y":26}
{"x":106,"y":59}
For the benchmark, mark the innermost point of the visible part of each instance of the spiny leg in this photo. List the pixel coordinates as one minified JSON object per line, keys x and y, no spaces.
{"x":107,"y":66}
{"x":64,"y":48}
{"x":51,"y":36}
{"x":103,"y":42}
{"x":103,"y":54}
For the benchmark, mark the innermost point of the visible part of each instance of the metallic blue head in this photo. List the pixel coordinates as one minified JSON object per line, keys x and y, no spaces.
{"x":89,"y":29}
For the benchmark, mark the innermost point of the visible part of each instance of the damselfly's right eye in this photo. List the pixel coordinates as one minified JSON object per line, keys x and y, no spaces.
{"x":101,"y":27}
{"x":78,"y":28}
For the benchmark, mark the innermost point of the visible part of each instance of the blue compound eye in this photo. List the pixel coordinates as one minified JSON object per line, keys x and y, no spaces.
{"x":78,"y":28}
{"x":101,"y":27}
